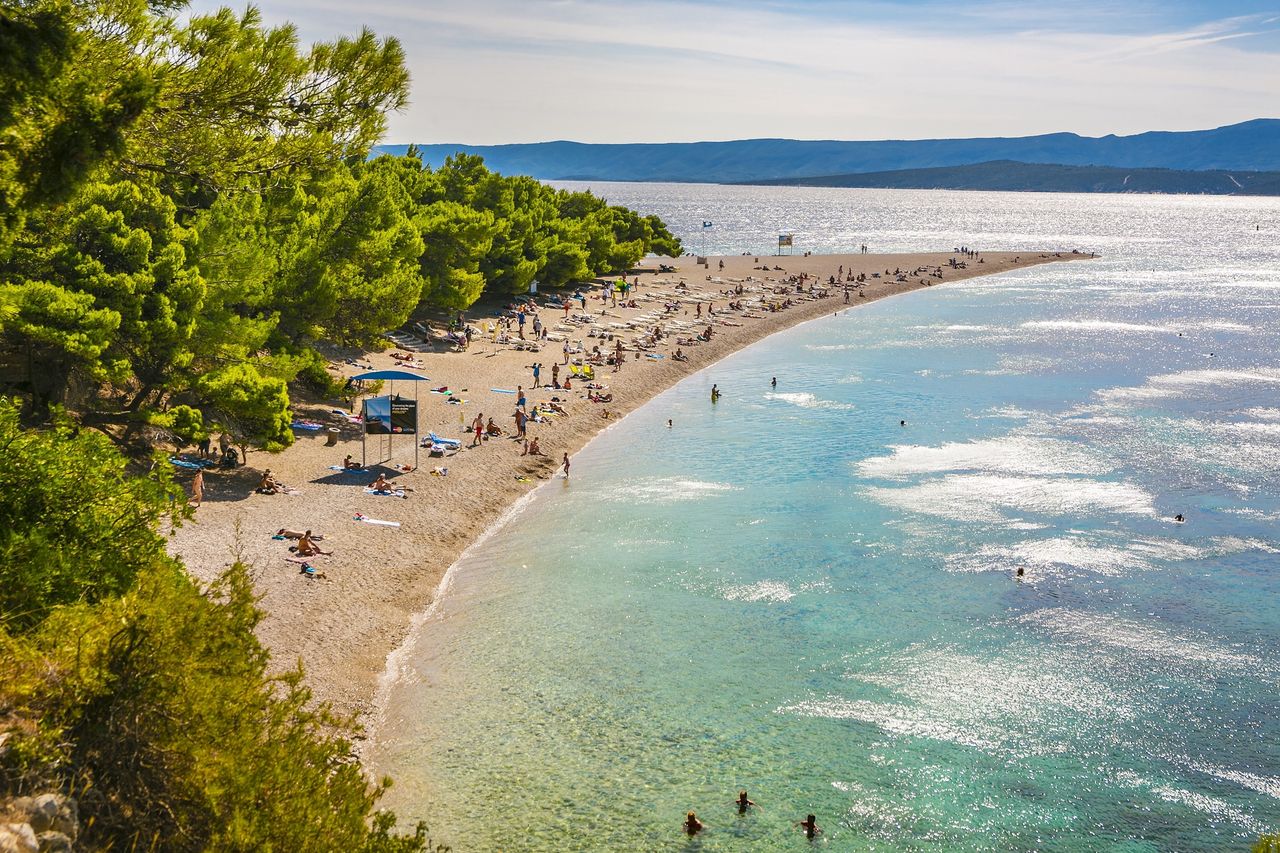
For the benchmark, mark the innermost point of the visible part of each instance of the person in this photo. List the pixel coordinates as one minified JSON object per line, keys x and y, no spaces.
{"x":477,"y":426}
{"x":566,"y":466}
{"x":534,"y":449}
{"x":382,"y":484}
{"x":744,"y":804}
{"x":350,"y":464}
{"x":1021,"y":571}
{"x":267,"y":485}
{"x":555,"y":375}
{"x":902,"y":423}
{"x":715,"y":393}
{"x":492,"y":429}
{"x":810,"y":826}
{"x":307,"y":546}
{"x":224,"y":443}
{"x":286,"y":533}
{"x":203,"y":447}
{"x":1178,"y":518}
{"x":692,"y":825}
{"x":537,"y":371}
{"x":668,"y":423}
{"x":521,"y":420}
{"x":773,"y":382}
{"x":520,"y":400}
{"x":197,"y":488}
{"x":566,"y":352}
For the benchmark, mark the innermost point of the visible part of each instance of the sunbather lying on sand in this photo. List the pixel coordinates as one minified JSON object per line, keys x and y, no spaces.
{"x":298,"y":534}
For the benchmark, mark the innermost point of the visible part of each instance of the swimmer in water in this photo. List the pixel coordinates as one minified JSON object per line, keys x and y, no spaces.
{"x":744,"y":805}
{"x":774,"y":383}
{"x":809,"y":825}
{"x":1178,"y":518}
{"x":692,"y":825}
{"x":902,"y":423}
{"x":668,"y":423}
{"x":1021,"y":571}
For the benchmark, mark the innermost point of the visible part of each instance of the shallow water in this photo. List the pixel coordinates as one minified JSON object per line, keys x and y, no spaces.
{"x":790,"y":592}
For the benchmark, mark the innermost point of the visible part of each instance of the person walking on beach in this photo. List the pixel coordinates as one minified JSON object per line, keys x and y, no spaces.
{"x":566,"y":352}
{"x":520,"y":322}
{"x":477,"y":426}
{"x":520,"y":401}
{"x":197,"y":488}
{"x":566,"y":466}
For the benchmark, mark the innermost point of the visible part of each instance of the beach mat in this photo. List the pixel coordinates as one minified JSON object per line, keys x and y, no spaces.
{"x":392,"y":493}
{"x":378,"y":521}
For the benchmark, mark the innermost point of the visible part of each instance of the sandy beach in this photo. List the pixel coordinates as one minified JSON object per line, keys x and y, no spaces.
{"x":343,"y":623}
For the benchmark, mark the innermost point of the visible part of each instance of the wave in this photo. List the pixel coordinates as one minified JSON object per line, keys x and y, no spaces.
{"x":983,"y":497}
{"x":1143,"y":640}
{"x":1187,"y":381}
{"x":1096,"y":326}
{"x":808,"y":401}
{"x":767,"y":590}
{"x":657,"y":490}
{"x":1012,"y":455}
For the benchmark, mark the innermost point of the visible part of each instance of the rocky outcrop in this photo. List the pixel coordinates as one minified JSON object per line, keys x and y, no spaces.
{"x":46,"y":823}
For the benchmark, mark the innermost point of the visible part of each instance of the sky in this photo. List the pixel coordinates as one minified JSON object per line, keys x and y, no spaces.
{"x":499,"y":71}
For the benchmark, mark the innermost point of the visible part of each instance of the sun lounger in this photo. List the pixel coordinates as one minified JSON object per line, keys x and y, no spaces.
{"x":448,"y":442}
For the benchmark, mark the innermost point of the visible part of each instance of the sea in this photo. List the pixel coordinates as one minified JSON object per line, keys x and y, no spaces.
{"x":811,"y":592}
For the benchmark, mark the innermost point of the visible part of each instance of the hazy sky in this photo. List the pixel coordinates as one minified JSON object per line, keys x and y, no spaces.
{"x":488,"y":71}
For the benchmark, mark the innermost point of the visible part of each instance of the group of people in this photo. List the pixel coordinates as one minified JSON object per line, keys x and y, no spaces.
{"x":809,"y":826}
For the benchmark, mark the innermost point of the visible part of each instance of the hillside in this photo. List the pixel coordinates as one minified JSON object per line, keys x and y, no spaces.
{"x":1249,"y":146}
{"x":1013,"y":176}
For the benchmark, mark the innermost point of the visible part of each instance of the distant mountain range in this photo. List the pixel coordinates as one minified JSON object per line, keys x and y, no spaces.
{"x":1009,"y":175}
{"x":1252,"y":146}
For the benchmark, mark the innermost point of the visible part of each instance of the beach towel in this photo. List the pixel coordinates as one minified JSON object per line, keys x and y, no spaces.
{"x":501,"y":391}
{"x":311,"y":425}
{"x":448,"y":442}
{"x":367,"y":520}
{"x":394,"y":493}
{"x":352,"y":470}
{"x":190,"y":465}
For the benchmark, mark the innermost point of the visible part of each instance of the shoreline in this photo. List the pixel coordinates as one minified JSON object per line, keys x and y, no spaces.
{"x":350,"y":627}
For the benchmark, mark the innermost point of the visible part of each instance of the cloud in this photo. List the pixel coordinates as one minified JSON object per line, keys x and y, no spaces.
{"x":658,"y":70}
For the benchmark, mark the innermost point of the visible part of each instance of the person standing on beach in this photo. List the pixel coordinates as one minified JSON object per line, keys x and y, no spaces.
{"x":520,"y":321}
{"x":521,"y":420}
{"x":197,"y":488}
{"x":555,"y":375}
{"x":478,"y":427}
{"x":566,"y":466}
{"x":537,"y":370}
{"x":566,"y":352}
{"x":520,"y":401}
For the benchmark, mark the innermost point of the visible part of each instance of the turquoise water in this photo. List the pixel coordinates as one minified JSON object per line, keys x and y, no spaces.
{"x":791,"y":593}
